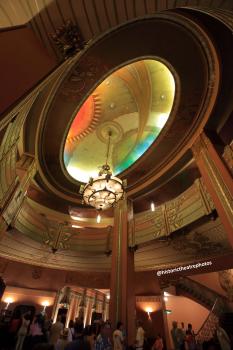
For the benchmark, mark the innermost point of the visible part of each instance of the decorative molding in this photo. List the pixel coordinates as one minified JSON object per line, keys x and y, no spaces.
{"x":188,"y":207}
{"x":68,"y":39}
{"x":226,"y":282}
{"x":153,"y":299}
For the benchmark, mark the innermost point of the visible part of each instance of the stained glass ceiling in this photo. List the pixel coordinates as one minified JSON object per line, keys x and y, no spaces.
{"x":134,"y":103}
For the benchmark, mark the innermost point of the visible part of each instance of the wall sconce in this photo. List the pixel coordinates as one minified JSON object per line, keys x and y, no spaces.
{"x":44,"y":304}
{"x":8,"y":301}
{"x":149,"y":310}
{"x":108,"y":296}
{"x":152,"y":206}
{"x":98,"y":218}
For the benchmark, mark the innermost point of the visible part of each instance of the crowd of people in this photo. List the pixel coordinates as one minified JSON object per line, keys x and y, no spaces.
{"x":24,"y":333}
{"x":41,"y":333}
{"x":185,"y":339}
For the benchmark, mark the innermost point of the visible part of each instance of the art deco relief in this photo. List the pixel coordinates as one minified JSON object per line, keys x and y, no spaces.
{"x":37,"y":273}
{"x":226,"y":282}
{"x":197,"y":244}
{"x":190,"y":206}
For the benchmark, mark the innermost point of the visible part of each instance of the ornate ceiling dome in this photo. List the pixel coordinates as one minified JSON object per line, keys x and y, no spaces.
{"x":134,"y":103}
{"x":157,"y":99}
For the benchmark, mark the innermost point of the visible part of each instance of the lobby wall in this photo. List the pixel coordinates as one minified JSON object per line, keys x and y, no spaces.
{"x":23,"y":63}
{"x":28,"y":276}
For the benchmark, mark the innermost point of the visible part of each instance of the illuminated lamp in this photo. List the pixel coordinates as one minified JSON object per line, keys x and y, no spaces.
{"x":149,"y":310}
{"x":104,"y":191}
{"x":8,"y":301}
{"x":44,"y":304}
{"x":152,"y":206}
{"x":108,"y":296}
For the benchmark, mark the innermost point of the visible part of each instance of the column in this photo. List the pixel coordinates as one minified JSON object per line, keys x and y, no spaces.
{"x":56,"y":305}
{"x":217,"y":179}
{"x":70,"y":309}
{"x":104,"y":308}
{"x":82,"y":307}
{"x":79,"y":298}
{"x":74,"y":307}
{"x":122,"y":301}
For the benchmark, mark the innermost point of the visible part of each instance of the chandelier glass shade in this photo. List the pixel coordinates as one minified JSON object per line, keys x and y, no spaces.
{"x":105,"y":190}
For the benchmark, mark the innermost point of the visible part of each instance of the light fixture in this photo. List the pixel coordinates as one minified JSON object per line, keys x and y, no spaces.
{"x":105,"y":190}
{"x":8,"y":301}
{"x":44,"y":304}
{"x":98,"y":218}
{"x":76,"y":226}
{"x":149,"y":310}
{"x":152,"y":206}
{"x":165,"y":298}
{"x":108,"y":296}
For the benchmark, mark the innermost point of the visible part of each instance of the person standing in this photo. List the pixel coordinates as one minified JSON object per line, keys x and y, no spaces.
{"x":177,"y":336}
{"x":158,"y":344}
{"x":71,"y":331}
{"x":190,"y":338}
{"x":55,"y":331}
{"x":118,"y":338}
{"x":140,"y":336}
{"x":63,"y":340}
{"x":22,"y":331}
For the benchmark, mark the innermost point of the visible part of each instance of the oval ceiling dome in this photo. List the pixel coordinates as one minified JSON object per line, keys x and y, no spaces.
{"x":134,"y":103}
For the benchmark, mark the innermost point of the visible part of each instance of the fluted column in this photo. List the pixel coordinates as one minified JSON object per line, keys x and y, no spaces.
{"x":217,"y":179}
{"x":74,"y":307}
{"x":56,"y":305}
{"x":82,"y":307}
{"x":122,"y":302}
{"x":70,"y":310}
{"x":79,"y":298}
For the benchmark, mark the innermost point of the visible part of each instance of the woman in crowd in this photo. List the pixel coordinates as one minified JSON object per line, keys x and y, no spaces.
{"x":118,"y":339}
{"x":103,"y":340}
{"x":158,"y":344}
{"x":71,"y":331}
{"x":23,"y":330}
{"x":36,"y":331}
{"x":63,"y":341}
{"x":190,"y":342}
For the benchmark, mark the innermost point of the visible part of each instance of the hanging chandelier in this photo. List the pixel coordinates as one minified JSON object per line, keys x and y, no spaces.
{"x":105,"y":190}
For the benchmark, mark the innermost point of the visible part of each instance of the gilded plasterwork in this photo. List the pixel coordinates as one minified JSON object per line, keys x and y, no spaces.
{"x":134,"y":103}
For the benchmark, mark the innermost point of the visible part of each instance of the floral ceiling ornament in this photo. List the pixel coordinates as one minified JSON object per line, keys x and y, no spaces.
{"x":68,"y":39}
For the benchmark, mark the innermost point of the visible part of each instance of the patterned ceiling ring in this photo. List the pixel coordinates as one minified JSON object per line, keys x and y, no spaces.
{"x":198,"y":90}
{"x":102,"y":132}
